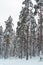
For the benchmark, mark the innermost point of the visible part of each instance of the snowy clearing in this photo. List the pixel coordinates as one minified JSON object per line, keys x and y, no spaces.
{"x":16,"y":61}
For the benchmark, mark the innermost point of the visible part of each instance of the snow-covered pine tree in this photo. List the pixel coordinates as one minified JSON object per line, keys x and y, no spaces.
{"x":39,"y":10}
{"x":1,"y":41}
{"x":32,"y":25}
{"x":9,"y":38}
{"x":21,"y":27}
{"x":27,"y":4}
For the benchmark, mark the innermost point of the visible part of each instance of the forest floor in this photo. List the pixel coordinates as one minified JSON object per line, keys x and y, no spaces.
{"x":16,"y":61}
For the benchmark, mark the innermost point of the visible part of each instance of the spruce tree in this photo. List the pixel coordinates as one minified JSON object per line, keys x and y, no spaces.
{"x":9,"y":38}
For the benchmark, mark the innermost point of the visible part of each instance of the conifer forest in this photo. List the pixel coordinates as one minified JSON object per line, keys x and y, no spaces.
{"x":27,"y":41}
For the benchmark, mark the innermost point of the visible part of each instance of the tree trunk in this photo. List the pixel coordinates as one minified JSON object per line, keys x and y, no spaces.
{"x":40,"y":29}
{"x":27,"y":44}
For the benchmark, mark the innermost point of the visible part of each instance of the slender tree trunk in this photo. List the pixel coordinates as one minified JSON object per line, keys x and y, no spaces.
{"x":21,"y":50}
{"x":40,"y":33}
{"x":30,"y":41}
{"x":40,"y":29}
{"x":27,"y":44}
{"x":33,"y":50}
{"x":21,"y":42}
{"x":30,"y":46}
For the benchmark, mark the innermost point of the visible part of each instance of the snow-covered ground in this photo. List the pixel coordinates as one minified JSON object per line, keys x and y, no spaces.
{"x":16,"y":61}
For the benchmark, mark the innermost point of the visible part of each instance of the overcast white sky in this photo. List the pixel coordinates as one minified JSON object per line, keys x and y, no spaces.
{"x":10,"y":7}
